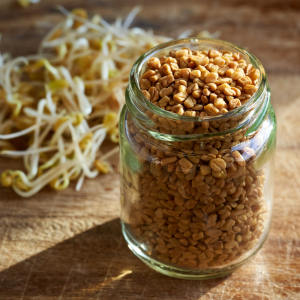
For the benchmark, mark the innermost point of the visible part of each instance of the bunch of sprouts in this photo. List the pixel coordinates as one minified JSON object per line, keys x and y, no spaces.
{"x":66,"y":100}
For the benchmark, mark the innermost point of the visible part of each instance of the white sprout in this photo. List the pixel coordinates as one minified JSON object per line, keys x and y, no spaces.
{"x":66,"y":100}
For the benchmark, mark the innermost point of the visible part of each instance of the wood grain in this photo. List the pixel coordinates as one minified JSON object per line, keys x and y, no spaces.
{"x":68,"y":245}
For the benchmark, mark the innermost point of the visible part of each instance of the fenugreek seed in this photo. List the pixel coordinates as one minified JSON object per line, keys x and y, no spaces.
{"x":237,"y":91}
{"x":145,"y":84}
{"x":154,"y":94}
{"x":167,"y":80}
{"x":186,"y":165}
{"x":165,"y":70}
{"x":211,"y":77}
{"x":213,"y":232}
{"x":234,"y":103}
{"x":190,"y":114}
{"x":198,"y":107}
{"x":146,"y":94}
{"x":200,"y":61}
{"x":181,"y":53}
{"x":154,"y":63}
{"x":238,"y":158}
{"x":168,"y":160}
{"x":219,"y":61}
{"x":222,"y":71}
{"x":180,"y":97}
{"x":163,"y":101}
{"x":211,"y":109}
{"x":205,"y":170}
{"x":233,"y":65}
{"x":214,"y":53}
{"x":219,"y":103}
{"x":188,"y":102}
{"x":195,"y":74}
{"x":166,"y":92}
{"x":250,"y":89}
{"x":185,"y":73}
{"x":217,"y":164}
{"x":179,"y":82}
{"x":254,"y":75}
{"x":182,"y":89}
{"x":229,"y":92}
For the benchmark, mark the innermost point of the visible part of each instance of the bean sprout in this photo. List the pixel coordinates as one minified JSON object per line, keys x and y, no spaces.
{"x":66,"y":100}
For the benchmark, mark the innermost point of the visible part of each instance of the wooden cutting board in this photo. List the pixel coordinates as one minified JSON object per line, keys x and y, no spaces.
{"x":68,"y":245}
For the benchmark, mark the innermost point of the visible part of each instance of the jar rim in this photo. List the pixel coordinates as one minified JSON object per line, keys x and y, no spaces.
{"x":248,"y":105}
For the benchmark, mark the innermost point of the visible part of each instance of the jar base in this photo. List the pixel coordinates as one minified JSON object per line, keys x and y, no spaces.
{"x":188,"y":274}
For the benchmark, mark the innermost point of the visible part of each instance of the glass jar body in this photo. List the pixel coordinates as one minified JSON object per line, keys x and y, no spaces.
{"x":181,"y":216}
{"x":196,"y":192}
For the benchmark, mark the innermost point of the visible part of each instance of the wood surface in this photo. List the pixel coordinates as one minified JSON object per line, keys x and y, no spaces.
{"x":68,"y":245}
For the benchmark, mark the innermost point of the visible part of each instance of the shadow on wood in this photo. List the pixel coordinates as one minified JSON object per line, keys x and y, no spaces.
{"x":96,"y":264}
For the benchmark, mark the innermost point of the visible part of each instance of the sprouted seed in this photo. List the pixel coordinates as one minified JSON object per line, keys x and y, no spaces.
{"x":66,"y":100}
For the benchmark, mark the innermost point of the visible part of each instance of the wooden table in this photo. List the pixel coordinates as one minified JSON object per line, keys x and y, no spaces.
{"x":69,"y":245}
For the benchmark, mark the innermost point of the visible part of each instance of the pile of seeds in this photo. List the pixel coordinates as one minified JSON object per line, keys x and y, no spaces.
{"x":196,"y":210}
{"x":199,"y":83}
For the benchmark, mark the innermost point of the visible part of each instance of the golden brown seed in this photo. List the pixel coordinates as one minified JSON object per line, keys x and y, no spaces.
{"x":244,"y":81}
{"x":217,"y":164}
{"x":206,"y":92}
{"x":166,"y":92}
{"x":163,"y":101}
{"x":200,"y":61}
{"x":188,"y":102}
{"x":238,"y":158}
{"x":179,"y":82}
{"x":148,"y":74}
{"x":211,"y":109}
{"x":185,"y":73}
{"x":197,"y":236}
{"x":223,"y":86}
{"x":180,"y":97}
{"x":222,"y":71}
{"x":146,"y":94}
{"x":195,"y":74}
{"x":250,"y":89}
{"x":154,"y":94}
{"x":165,"y":70}
{"x":186,"y":165}
{"x":234,"y":103}
{"x":198,"y":107}
{"x":211,"y":77}
{"x":145,"y":84}
{"x":205,"y":170}
{"x":229,"y":92}
{"x":154,"y":63}
{"x":254,"y":75}
{"x":181,"y":53}
{"x":230,"y":72}
{"x":155,"y":77}
{"x":213,"y":232}
{"x":214,"y":53}
{"x":167,"y":80}
{"x":219,"y":103}
{"x":237,"y":91}
{"x":168,"y":160}
{"x":236,"y":75}
{"x":219,"y":61}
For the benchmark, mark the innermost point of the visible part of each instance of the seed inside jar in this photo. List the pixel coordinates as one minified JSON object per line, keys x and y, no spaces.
{"x":212,"y":81}
{"x":197,"y":203}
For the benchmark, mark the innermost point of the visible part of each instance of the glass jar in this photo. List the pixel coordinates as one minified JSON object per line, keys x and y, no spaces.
{"x":181,"y":215}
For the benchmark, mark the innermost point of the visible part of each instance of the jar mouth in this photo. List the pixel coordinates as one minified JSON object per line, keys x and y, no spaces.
{"x":196,"y":44}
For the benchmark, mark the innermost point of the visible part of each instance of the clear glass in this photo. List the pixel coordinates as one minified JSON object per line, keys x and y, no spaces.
{"x":179,"y":214}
